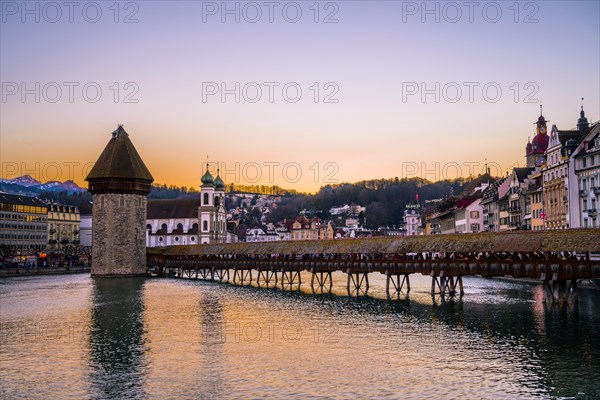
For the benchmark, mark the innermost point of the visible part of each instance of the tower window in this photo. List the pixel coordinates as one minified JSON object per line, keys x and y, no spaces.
{"x":205,"y":199}
{"x":205,"y":226}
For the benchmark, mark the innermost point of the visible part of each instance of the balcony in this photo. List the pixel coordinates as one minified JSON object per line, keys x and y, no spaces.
{"x":514,"y":209}
{"x":592,"y":213}
{"x":596,"y":190}
{"x":582,"y":193}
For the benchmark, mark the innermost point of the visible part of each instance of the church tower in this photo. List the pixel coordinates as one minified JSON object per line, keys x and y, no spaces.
{"x":119,"y":183}
{"x":211,"y":213}
{"x":221,"y":213}
{"x":534,"y":152}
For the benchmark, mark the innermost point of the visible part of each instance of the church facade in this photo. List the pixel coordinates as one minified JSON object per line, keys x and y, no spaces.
{"x":202,"y":220}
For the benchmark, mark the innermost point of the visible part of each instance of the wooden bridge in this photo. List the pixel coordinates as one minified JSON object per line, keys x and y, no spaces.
{"x":557,"y":258}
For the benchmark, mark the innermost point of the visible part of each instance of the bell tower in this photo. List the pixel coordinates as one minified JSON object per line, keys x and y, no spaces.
{"x":534,"y":152}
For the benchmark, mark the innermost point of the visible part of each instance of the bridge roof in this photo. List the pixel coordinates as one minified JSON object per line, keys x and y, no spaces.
{"x":580,"y":240}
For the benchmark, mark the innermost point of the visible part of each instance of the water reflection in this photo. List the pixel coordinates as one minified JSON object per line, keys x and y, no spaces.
{"x":166,"y":338}
{"x":116,"y":338}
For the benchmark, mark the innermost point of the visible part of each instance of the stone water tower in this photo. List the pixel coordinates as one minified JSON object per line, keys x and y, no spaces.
{"x":119,"y":183}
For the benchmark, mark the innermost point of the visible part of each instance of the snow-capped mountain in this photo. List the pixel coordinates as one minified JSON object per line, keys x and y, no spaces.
{"x":26,"y":181}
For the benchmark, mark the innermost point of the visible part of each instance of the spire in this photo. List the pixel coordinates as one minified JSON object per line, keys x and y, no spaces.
{"x":541,"y":120}
{"x":582,"y":123}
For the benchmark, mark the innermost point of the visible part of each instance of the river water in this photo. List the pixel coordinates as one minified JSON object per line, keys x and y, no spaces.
{"x":81,"y":338}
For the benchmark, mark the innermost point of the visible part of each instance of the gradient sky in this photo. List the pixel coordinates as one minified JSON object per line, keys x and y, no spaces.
{"x":376,"y":49}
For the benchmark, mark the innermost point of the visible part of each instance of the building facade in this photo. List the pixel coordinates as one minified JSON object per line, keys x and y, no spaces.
{"x":587,"y":175}
{"x":63,"y":225}
{"x":23,"y":224}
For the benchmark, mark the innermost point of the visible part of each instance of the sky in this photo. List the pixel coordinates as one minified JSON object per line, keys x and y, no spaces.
{"x":297,"y":94}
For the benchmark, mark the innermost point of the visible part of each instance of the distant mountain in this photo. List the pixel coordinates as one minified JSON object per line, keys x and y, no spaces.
{"x":25,"y":180}
{"x":27,"y":184}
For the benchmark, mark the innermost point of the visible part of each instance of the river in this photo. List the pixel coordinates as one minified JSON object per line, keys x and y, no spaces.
{"x":74,"y":337}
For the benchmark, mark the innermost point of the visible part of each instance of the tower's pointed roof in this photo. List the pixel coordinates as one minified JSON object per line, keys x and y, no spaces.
{"x":120,"y":160}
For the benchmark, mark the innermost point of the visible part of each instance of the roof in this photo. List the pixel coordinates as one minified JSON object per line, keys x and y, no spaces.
{"x":85,"y":208}
{"x":475,"y":183}
{"x":120,"y":160}
{"x":6,"y":198}
{"x":523,"y":173}
{"x":581,"y":240}
{"x":173,"y":208}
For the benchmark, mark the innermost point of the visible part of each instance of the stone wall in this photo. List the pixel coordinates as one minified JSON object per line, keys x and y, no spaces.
{"x":118,"y":235}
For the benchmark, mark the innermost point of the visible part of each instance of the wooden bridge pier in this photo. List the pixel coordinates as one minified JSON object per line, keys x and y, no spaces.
{"x":445,"y":283}
{"x":398,"y":284}
{"x":322,"y":278}
{"x":355,"y":281}
{"x":289,"y":278}
{"x":189,"y":273}
{"x":205,"y":273}
{"x":560,"y":290}
{"x":220,"y":274}
{"x":240,"y":274}
{"x":267,"y":275}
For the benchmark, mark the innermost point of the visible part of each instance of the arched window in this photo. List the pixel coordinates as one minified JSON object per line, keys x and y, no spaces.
{"x":180,"y":227}
{"x":217,"y":201}
{"x":195,"y":227}
{"x":205,"y":226}
{"x":205,"y":199}
{"x":149,"y":227}
{"x":163,"y":227}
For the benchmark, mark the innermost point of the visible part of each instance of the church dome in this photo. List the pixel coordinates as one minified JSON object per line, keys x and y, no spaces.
{"x":219,"y":184}
{"x":207,"y":179}
{"x":539,"y":144}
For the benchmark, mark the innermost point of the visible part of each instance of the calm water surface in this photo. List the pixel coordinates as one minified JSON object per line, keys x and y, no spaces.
{"x":82,"y":338}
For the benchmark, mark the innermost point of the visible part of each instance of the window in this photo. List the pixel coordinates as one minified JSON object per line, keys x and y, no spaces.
{"x":474,"y":214}
{"x":205,"y":199}
{"x":177,"y":238}
{"x":149,"y":227}
{"x":192,"y":239}
{"x":205,"y":226}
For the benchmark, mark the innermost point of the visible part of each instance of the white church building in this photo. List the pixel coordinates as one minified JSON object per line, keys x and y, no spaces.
{"x":192,"y":220}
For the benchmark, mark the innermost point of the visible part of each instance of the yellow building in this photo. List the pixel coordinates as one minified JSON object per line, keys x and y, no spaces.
{"x":63,"y":224}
